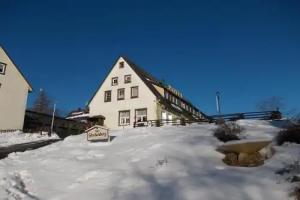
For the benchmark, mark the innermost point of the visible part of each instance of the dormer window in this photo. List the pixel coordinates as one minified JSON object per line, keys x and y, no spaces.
{"x":114,"y":81}
{"x":127,"y":79}
{"x":121,"y":64}
{"x":2,"y":68}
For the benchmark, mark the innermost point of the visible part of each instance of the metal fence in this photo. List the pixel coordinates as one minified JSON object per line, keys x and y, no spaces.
{"x":163,"y":122}
{"x":265,"y":115}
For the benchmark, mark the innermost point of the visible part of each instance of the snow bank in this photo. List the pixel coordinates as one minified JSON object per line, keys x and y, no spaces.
{"x":258,"y":129}
{"x":143,"y":163}
{"x":18,"y":137}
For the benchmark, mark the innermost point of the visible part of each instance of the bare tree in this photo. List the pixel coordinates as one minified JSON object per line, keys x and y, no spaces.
{"x":43,"y":103}
{"x":294,"y":115}
{"x":270,"y":104}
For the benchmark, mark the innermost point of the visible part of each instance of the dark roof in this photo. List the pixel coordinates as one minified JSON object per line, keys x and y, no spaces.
{"x":144,"y":76}
{"x":149,"y":80}
{"x":18,"y":69}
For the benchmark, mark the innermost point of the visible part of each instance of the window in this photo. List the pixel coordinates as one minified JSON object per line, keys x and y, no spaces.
{"x":121,"y":94}
{"x":114,"y":81}
{"x":183,"y":105}
{"x":2,"y":68}
{"x":141,"y":115}
{"x":173,"y":99}
{"x":170,"y":97}
{"x":134,"y":92}
{"x":166,"y":95}
{"x":121,"y":64}
{"x":107,"y":96}
{"x":127,"y":78}
{"x":124,"y":118}
{"x":176,"y":101}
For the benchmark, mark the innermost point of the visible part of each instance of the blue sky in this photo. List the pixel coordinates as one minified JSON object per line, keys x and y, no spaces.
{"x":248,"y":50}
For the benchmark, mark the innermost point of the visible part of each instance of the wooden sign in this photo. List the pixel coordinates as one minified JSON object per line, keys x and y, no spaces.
{"x":97,"y":133}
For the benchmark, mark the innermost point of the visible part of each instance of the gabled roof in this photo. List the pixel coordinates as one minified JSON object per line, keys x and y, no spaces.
{"x":149,"y":80}
{"x":139,"y":71}
{"x":18,"y":69}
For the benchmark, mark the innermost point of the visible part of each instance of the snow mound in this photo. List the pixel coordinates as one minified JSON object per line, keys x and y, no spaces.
{"x":143,"y":163}
{"x":258,"y":129}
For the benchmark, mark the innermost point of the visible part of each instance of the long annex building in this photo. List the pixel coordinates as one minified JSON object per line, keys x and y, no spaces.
{"x":129,"y":96}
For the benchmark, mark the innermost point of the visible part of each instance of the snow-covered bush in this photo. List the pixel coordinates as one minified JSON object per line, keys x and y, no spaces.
{"x":291,"y":174}
{"x":291,"y":134}
{"x":228,"y":131}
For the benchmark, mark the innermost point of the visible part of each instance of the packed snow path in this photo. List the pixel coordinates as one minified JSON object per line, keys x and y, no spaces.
{"x":144,"y":163}
{"x":4,"y":151}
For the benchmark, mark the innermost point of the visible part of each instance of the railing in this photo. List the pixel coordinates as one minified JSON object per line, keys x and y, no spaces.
{"x":163,"y":122}
{"x":9,"y":131}
{"x":265,"y":115}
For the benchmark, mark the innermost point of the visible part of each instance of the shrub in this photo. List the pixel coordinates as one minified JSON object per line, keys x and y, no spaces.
{"x":296,"y":193}
{"x":290,"y":173}
{"x":228,"y":132}
{"x":220,"y":121}
{"x":291,"y":134}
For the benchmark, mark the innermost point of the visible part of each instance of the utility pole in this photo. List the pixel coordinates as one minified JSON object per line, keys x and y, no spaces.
{"x":53,"y":116}
{"x":218,"y":102}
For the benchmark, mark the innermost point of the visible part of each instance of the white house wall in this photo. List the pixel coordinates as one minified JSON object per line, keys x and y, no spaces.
{"x":13,"y":96}
{"x":110,"y":110}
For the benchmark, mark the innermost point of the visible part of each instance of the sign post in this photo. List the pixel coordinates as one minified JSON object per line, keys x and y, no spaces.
{"x":97,"y":133}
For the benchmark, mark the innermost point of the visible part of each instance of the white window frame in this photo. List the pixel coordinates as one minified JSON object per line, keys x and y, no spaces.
{"x":114,"y":81}
{"x":131,"y":92}
{"x":127,"y":77}
{"x":118,"y":94}
{"x":105,"y":96}
{"x":124,"y":121}
{"x":142,"y":117}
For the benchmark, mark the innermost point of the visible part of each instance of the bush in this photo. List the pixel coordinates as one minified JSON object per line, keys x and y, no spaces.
{"x":291,"y":134}
{"x":228,"y":132}
{"x":220,"y":121}
{"x":296,"y":193}
{"x":290,"y":173}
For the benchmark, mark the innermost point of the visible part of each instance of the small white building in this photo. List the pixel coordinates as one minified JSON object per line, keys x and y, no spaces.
{"x":14,"y":90}
{"x":129,"y":96}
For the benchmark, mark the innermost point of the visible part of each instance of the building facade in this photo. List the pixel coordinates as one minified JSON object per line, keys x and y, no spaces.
{"x":14,"y":90}
{"x":129,"y":97}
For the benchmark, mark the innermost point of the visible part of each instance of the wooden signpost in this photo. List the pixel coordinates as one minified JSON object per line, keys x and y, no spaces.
{"x":97,"y":133}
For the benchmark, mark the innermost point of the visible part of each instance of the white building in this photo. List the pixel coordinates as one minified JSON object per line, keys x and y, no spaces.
{"x":14,"y":90}
{"x":130,"y":96}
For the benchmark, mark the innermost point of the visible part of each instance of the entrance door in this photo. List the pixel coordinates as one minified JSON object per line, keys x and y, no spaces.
{"x":170,"y":118}
{"x":164,"y":117}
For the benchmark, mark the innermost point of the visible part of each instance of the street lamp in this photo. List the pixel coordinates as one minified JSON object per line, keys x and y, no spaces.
{"x":53,"y":117}
{"x":218,"y":103}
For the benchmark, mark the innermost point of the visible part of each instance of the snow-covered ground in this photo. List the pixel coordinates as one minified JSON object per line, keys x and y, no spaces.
{"x":17,"y":137}
{"x":143,"y":163}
